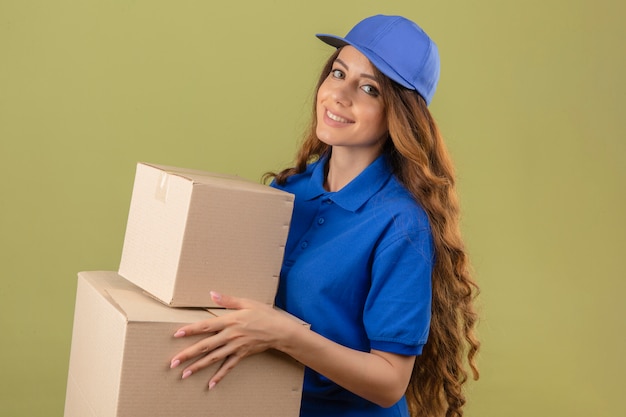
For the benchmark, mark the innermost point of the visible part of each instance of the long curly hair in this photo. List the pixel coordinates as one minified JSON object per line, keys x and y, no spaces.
{"x":420,"y":161}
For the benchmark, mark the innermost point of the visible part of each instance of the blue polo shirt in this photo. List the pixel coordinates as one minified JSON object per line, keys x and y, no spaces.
{"x":357,"y":267}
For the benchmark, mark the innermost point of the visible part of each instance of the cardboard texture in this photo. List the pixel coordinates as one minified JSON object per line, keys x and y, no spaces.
{"x":119,"y":364}
{"x":190,"y":232}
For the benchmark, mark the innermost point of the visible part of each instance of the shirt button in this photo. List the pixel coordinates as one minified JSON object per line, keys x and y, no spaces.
{"x":304,"y":244}
{"x":320,"y":221}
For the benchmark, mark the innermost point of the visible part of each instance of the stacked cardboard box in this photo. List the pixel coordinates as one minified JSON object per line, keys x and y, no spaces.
{"x":188,"y":232}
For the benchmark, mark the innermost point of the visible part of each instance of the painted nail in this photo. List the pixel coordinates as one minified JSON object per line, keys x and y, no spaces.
{"x":216,"y":296}
{"x":179,"y":333}
{"x":186,"y":374}
{"x":174,"y":363}
{"x":212,"y":385}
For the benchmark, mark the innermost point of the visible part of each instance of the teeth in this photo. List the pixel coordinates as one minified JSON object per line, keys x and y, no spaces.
{"x":336,"y":118}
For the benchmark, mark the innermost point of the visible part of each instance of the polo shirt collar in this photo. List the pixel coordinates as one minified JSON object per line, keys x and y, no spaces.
{"x":357,"y":192}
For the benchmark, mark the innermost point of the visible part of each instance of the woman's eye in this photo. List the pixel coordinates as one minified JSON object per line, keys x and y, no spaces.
{"x":371,"y":90}
{"x":337,"y":73}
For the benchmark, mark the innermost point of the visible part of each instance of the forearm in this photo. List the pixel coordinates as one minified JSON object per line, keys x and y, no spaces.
{"x":377,"y":376}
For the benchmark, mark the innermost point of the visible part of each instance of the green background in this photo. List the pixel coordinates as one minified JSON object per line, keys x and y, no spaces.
{"x":530,"y":102}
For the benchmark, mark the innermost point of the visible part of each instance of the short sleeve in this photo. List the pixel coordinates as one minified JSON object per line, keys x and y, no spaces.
{"x":398,"y":308}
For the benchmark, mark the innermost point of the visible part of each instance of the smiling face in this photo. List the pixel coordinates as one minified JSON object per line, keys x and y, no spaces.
{"x":350,"y":109}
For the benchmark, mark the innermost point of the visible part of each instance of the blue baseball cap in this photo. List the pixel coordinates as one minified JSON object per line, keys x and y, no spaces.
{"x":399,"y":48}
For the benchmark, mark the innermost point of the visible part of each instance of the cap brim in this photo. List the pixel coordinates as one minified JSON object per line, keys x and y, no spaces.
{"x":332,"y":40}
{"x":377,"y":61}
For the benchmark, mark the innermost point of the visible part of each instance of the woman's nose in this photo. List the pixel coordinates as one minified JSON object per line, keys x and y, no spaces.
{"x":341,"y":95}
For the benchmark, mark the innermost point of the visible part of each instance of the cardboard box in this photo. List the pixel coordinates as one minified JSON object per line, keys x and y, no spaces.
{"x":119,"y":364}
{"x":190,"y":232}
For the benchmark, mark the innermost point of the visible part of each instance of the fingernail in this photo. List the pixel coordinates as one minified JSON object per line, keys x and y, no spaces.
{"x":216,"y":296}
{"x":179,"y":333}
{"x":212,"y":385}
{"x":174,"y":363}
{"x":186,"y":374}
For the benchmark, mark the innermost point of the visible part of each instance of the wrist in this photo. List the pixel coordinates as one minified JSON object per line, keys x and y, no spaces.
{"x":288,"y":331}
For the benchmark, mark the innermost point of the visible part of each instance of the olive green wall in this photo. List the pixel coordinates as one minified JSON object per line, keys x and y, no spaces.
{"x":530,"y":101}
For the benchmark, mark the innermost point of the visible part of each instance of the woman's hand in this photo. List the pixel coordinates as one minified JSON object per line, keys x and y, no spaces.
{"x":377,"y":376}
{"x":253,"y":328}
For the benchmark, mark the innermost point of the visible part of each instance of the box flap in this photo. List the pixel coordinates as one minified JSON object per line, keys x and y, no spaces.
{"x":134,"y":304}
{"x":140,"y":307}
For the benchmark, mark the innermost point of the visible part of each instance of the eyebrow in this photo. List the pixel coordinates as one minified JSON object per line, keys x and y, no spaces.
{"x":364,"y":75}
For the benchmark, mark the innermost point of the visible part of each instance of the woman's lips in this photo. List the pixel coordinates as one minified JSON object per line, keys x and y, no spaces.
{"x":335,"y":117}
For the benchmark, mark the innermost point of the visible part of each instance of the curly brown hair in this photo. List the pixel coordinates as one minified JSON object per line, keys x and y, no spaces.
{"x":420,"y":161}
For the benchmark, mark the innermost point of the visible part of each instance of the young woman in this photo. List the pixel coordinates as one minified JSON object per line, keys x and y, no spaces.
{"x":374,"y":260}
